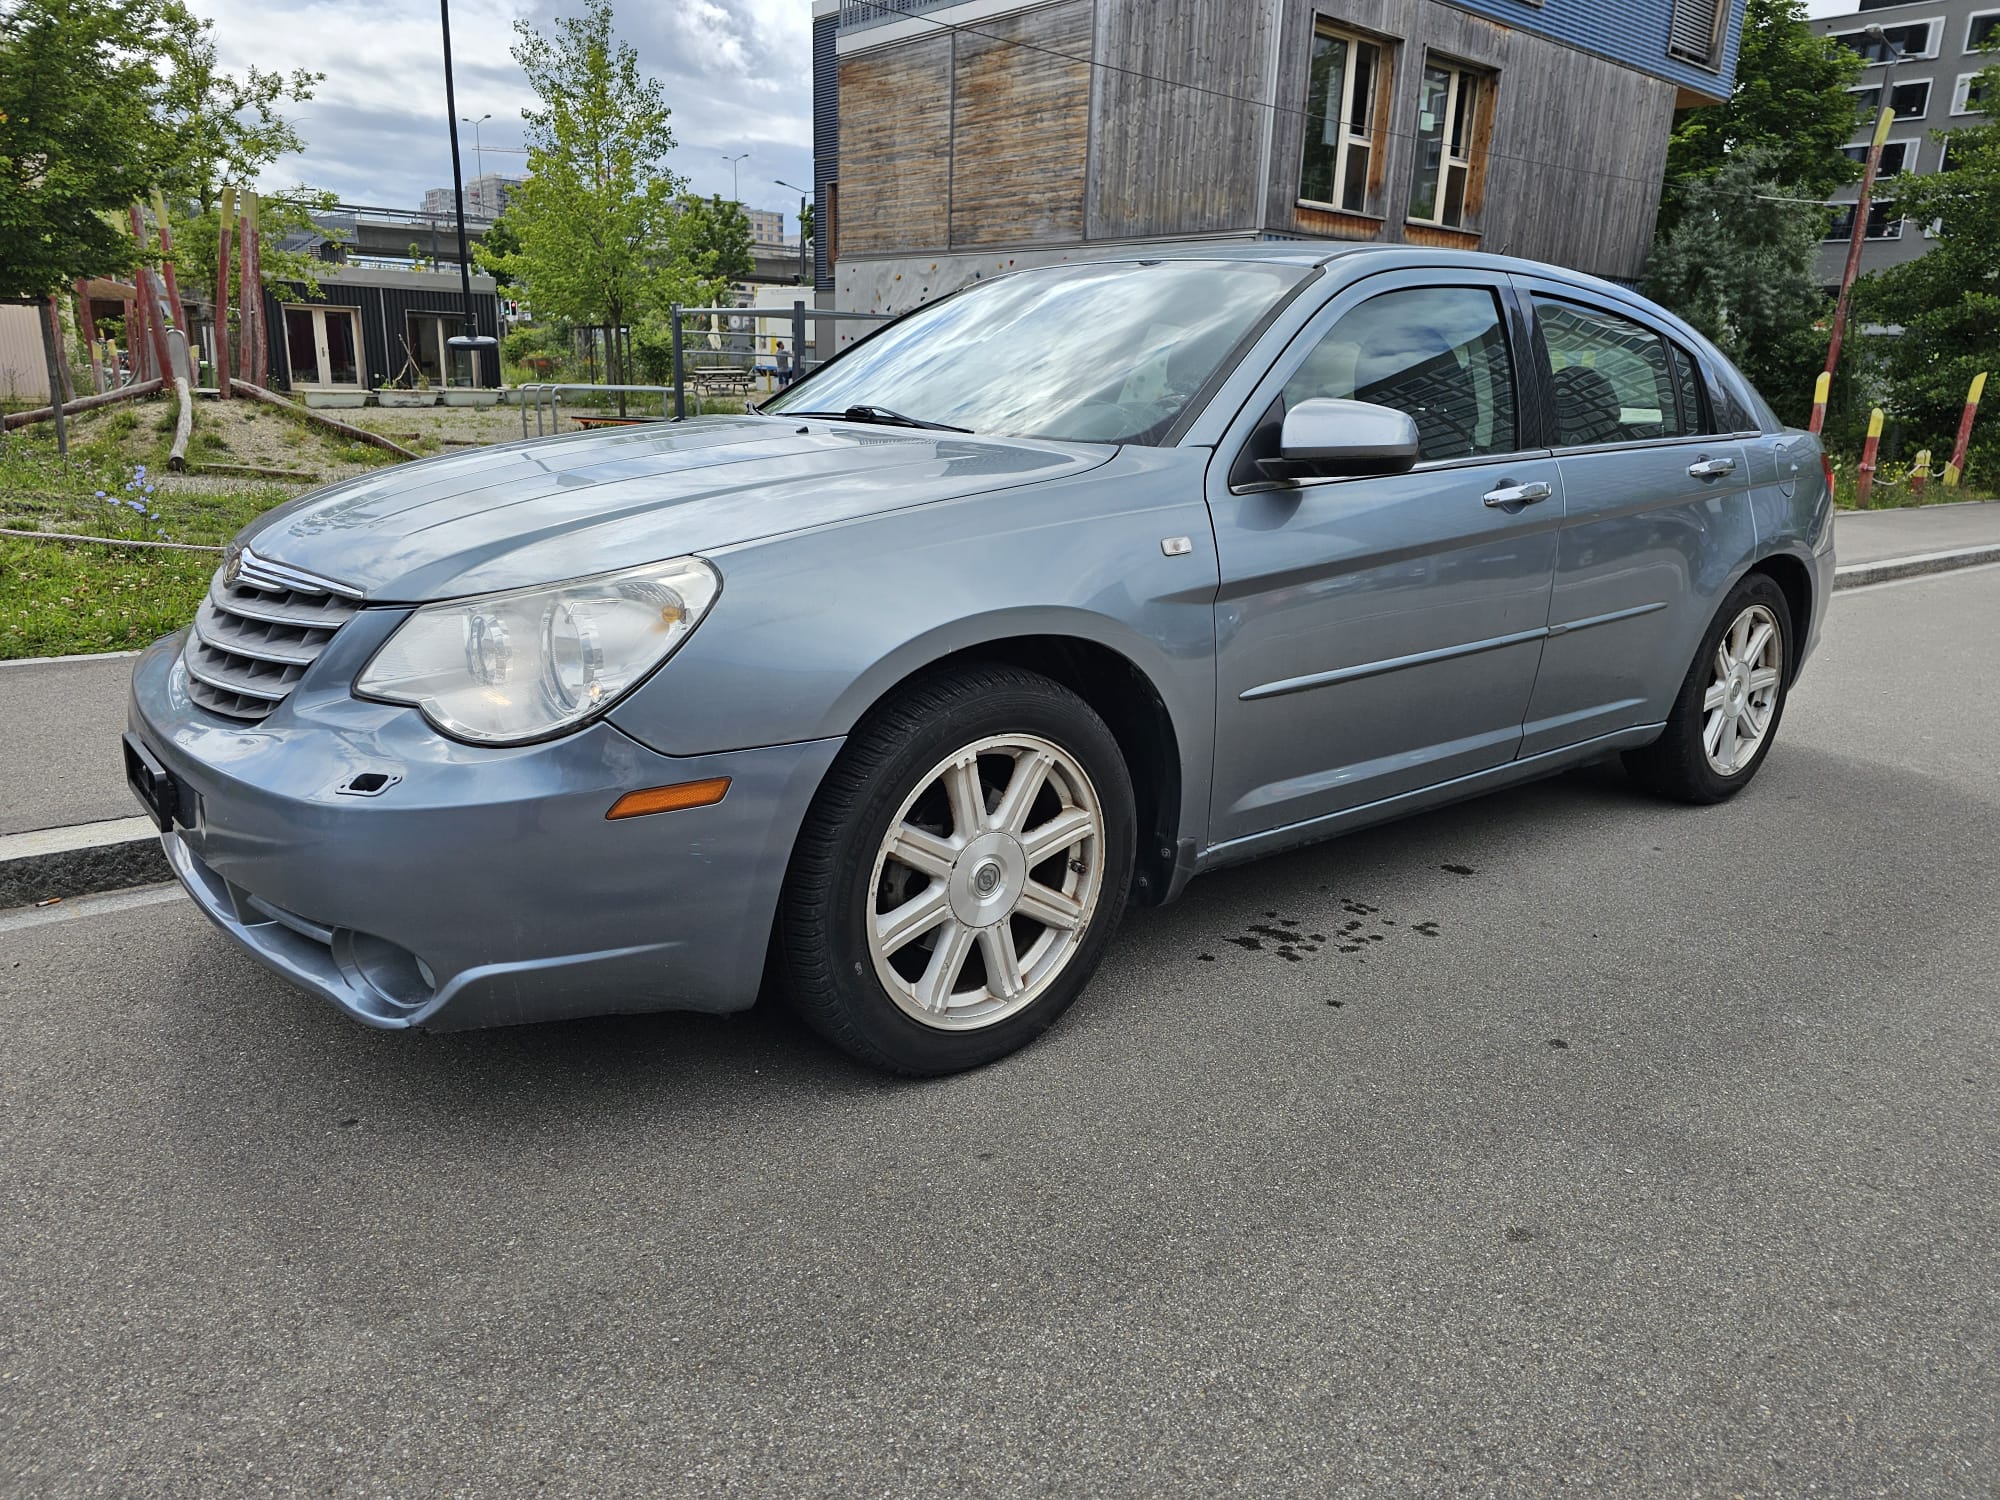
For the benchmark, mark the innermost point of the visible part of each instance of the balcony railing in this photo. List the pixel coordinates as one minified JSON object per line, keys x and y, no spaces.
{"x":858,"y":15}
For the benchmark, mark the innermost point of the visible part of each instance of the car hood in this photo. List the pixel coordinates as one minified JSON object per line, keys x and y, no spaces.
{"x":554,"y":508}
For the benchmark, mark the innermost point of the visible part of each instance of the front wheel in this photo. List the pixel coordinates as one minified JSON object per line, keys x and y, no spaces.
{"x":1727,"y":713}
{"x":960,"y":873}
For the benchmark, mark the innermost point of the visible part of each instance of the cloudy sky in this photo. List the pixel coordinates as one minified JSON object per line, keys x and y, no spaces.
{"x":737,"y":74}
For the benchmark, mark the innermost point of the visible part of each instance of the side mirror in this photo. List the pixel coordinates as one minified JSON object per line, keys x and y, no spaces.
{"x":1332,"y":438}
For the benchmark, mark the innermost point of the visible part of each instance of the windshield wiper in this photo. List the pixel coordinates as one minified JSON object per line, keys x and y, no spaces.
{"x":880,"y":415}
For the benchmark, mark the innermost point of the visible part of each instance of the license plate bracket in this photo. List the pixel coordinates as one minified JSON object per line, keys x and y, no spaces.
{"x":152,"y":783}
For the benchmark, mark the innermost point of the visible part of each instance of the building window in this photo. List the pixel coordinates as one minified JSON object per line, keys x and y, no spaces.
{"x":1881,"y":226}
{"x":1982,"y":30}
{"x":322,"y":345}
{"x":1915,"y":38}
{"x":1694,"y":31}
{"x":1910,"y":101}
{"x":1896,"y":156}
{"x":1449,"y":107}
{"x":1967,"y":97}
{"x":1345,"y":83}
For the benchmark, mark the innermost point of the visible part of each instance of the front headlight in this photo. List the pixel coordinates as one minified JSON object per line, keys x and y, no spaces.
{"x":505,"y":669}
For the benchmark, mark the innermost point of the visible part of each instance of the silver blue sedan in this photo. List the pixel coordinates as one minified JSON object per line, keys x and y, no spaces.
{"x":1044,"y":599}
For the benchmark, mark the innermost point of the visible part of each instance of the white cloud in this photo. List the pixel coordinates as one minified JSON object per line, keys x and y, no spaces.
{"x":737,"y":74}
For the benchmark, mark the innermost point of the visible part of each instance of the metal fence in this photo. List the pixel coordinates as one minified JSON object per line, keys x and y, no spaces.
{"x":725,"y":367}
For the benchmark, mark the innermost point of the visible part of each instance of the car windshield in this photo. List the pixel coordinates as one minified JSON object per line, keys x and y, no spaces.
{"x":1089,"y":353}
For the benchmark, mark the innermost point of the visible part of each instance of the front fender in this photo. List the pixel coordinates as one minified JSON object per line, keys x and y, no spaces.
{"x":814,"y":628}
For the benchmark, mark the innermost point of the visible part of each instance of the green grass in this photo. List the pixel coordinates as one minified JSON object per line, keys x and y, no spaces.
{"x":58,"y":598}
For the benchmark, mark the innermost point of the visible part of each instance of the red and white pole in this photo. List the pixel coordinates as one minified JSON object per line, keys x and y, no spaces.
{"x":1955,"y":470}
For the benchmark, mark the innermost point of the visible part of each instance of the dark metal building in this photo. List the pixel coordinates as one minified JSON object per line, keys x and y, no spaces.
{"x":368,"y":327}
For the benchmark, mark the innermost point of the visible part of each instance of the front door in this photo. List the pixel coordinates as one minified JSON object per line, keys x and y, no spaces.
{"x":1375,"y":636}
{"x":322,"y":345}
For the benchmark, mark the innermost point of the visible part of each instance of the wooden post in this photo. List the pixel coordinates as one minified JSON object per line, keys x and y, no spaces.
{"x":1883,"y":123}
{"x":246,"y":303}
{"x":176,"y":310}
{"x":1822,"y":387}
{"x":149,"y":304}
{"x":50,"y":358}
{"x":86,"y":325}
{"x":1955,"y":470}
{"x":1920,"y":471}
{"x":222,"y":363}
{"x":253,"y":298}
{"x":131,"y":344}
{"x":1864,"y":476}
{"x":54,"y":315}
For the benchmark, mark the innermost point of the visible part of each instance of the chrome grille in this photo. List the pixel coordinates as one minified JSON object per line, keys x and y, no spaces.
{"x":258,"y":630}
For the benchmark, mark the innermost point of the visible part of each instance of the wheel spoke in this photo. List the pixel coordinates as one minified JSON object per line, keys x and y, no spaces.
{"x":1763,"y":677}
{"x":1070,"y":826}
{"x":1739,"y":634}
{"x":1759,"y":638}
{"x":1050,"y":907}
{"x":921,"y":850}
{"x":1725,"y":751}
{"x":915,"y":917}
{"x":1712,"y":699}
{"x":1723,"y":660}
{"x":1031,"y":769}
{"x":1003,"y":963}
{"x":967,"y":798}
{"x":1711,"y":733}
{"x":954,"y":945}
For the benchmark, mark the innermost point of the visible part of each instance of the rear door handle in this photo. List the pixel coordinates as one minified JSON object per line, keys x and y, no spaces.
{"x":1519,"y":494}
{"x":1712,"y":468}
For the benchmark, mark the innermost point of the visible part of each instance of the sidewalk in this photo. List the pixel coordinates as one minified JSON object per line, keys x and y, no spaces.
{"x":69,"y":826}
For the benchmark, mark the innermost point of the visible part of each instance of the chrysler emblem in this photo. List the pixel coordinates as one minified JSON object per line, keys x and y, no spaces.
{"x":232,"y":566}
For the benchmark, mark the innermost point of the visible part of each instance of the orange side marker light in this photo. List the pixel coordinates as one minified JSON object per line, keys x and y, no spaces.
{"x":659,"y":799}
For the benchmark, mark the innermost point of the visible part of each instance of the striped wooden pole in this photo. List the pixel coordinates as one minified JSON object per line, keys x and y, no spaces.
{"x":222,"y":361}
{"x":1920,"y":471}
{"x":1955,"y":470}
{"x":1864,"y":475}
{"x":1822,"y":387}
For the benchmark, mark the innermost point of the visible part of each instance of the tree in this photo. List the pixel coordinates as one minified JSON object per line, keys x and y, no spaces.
{"x":711,"y":250}
{"x":1947,"y":302}
{"x":1741,"y":264}
{"x":80,"y":87}
{"x":598,"y":204}
{"x":220,"y":129}
{"x":1790,"y":97}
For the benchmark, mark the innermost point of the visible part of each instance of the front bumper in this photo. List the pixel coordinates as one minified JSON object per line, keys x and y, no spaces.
{"x":478,"y":887}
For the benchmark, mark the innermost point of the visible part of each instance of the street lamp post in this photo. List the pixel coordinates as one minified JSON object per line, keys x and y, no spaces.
{"x":1885,"y":119}
{"x":472,"y":340}
{"x":478,"y":156}
{"x":803,"y":196}
{"x":735,"y":192}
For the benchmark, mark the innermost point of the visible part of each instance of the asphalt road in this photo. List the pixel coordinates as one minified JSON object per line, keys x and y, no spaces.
{"x":1637,"y":1150}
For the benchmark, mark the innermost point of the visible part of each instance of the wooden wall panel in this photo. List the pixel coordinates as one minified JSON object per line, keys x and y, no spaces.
{"x":1020,"y":127}
{"x":895,"y":148}
{"x":1168,"y":159}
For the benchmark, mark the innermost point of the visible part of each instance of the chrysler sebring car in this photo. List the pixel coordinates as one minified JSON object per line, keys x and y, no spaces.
{"x":1039,"y":601}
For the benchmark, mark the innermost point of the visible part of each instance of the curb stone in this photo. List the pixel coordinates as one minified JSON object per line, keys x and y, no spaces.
{"x":1855,"y":575}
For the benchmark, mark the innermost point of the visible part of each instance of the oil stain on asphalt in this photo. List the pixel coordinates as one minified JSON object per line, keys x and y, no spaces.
{"x":1293,"y":940}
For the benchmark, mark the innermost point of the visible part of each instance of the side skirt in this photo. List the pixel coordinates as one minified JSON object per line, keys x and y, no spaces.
{"x":1353,"y":819}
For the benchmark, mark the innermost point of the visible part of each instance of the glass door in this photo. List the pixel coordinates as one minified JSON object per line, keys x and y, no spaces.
{"x":323,"y":345}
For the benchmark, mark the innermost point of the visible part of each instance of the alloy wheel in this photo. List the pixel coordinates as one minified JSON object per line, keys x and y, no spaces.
{"x":986,"y":881}
{"x":1742,"y":696}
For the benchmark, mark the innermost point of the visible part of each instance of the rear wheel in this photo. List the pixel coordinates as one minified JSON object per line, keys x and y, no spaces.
{"x":1726,"y":716}
{"x":959,"y":875}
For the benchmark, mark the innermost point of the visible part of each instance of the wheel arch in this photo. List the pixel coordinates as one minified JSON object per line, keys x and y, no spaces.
{"x":1794,"y":578}
{"x":1120,"y":690}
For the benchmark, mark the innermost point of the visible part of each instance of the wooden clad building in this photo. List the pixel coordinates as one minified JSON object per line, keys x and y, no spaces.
{"x":974,"y":135}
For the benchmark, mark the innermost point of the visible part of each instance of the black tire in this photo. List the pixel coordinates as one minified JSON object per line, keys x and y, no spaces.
{"x":830,"y":892}
{"x":1677,"y":765}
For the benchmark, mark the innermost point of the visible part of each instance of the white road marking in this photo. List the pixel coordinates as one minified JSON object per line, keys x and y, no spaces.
{"x":68,"y":910}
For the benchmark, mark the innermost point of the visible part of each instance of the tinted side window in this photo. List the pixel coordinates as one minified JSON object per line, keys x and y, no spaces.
{"x":1687,"y":384}
{"x":1438,"y":353}
{"x":1609,"y":375}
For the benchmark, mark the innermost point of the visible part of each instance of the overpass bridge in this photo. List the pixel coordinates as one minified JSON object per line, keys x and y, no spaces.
{"x":370,"y":234}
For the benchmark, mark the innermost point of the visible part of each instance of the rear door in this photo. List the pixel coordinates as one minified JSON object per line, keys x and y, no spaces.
{"x":1656,"y":516}
{"x":1375,"y":636}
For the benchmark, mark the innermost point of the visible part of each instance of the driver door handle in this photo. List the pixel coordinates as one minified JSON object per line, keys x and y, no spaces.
{"x":1519,"y":494}
{"x":1712,"y":468}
